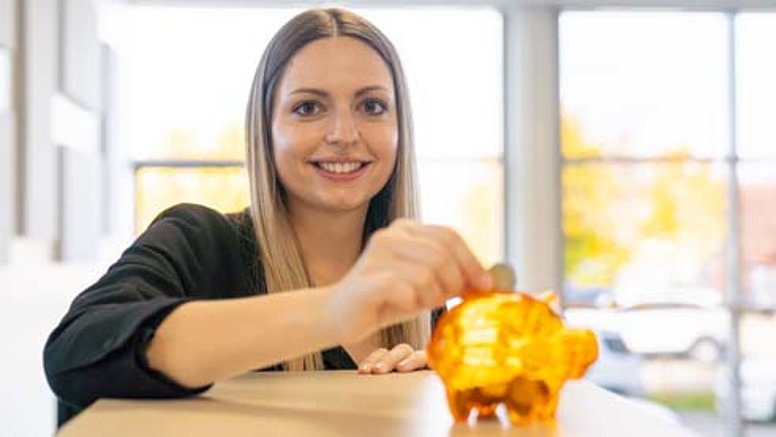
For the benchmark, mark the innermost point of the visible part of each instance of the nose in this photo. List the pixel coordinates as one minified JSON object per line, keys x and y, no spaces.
{"x":344,"y":130}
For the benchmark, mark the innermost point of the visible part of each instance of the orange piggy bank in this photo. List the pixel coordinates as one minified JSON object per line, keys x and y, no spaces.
{"x":511,"y":349}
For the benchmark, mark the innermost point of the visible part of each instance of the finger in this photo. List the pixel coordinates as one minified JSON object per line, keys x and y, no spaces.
{"x":429,"y":253}
{"x":400,"y":304}
{"x":416,"y":360}
{"x":473,"y":271}
{"x":389,"y":361}
{"x":428,"y":291}
{"x":368,"y":364}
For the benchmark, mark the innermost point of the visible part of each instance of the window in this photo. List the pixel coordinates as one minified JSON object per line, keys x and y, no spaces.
{"x":757,"y":156}
{"x":185,"y":82}
{"x":644,"y":137}
{"x":647,"y":170}
{"x":756,"y":141}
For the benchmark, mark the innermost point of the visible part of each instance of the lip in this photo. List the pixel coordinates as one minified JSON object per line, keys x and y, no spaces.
{"x":341,"y":177}
{"x":339,"y":159}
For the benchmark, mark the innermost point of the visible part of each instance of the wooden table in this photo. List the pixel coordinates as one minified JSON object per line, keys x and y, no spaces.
{"x":342,"y":403}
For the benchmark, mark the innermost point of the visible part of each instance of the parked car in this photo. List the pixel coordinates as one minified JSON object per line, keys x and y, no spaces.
{"x":587,"y":297}
{"x":758,"y":389}
{"x":617,"y":369}
{"x":674,"y":329}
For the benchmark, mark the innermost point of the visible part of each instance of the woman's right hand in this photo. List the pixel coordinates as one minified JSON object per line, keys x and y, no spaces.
{"x":406,"y":268}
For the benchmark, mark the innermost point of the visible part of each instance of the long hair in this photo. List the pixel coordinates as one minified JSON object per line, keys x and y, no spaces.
{"x":279,"y":250}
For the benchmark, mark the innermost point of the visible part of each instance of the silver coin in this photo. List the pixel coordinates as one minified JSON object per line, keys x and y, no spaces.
{"x":504,"y":277}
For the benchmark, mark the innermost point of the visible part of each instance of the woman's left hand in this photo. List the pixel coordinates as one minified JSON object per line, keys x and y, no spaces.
{"x":402,"y":358}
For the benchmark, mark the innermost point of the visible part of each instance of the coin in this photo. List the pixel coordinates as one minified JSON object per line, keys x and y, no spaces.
{"x":503,"y":277}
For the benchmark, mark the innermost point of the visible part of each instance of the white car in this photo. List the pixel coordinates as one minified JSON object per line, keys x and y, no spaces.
{"x":617,"y":369}
{"x":674,"y":329}
{"x":758,"y":389}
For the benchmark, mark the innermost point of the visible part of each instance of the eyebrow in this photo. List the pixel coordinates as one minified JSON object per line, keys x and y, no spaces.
{"x":324,"y":93}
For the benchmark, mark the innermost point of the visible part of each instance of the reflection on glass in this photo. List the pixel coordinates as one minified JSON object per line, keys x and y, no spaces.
{"x":223,"y":189}
{"x":756,"y":88}
{"x":645,"y":84}
{"x":644,"y":229}
{"x":467,"y":196}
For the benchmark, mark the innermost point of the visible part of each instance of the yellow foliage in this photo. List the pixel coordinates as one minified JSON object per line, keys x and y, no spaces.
{"x":611,"y":208}
{"x":224,"y":189}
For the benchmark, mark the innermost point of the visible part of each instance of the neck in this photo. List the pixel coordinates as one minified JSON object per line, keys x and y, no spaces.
{"x":330,"y":241}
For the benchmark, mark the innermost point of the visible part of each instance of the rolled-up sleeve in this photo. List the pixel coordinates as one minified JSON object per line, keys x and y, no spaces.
{"x":98,"y":349}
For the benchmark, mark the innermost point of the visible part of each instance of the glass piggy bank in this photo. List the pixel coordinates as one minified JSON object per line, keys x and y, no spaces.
{"x":510,"y":349}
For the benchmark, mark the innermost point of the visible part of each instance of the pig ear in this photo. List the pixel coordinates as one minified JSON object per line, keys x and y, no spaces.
{"x":550,"y":298}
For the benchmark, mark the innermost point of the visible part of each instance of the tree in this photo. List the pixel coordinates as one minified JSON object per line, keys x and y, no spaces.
{"x":614,"y":212}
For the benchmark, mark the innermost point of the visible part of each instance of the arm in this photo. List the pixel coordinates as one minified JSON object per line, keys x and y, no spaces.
{"x":202,"y":342}
{"x":188,"y":253}
{"x":99,"y":348}
{"x":222,"y":328}
{"x":405,"y":269}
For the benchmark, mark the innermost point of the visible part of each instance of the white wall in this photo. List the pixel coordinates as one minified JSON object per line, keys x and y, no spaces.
{"x":7,"y":125}
{"x":34,"y":296}
{"x":57,"y":220}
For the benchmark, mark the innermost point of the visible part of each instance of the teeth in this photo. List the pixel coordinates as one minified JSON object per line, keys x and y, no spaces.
{"x":340,"y":167}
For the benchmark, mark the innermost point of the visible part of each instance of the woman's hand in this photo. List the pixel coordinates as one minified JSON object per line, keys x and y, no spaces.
{"x":405,"y":269}
{"x":401,"y":358}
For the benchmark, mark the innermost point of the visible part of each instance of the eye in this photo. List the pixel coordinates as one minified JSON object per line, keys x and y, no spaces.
{"x":374,"y":107}
{"x":307,"y":108}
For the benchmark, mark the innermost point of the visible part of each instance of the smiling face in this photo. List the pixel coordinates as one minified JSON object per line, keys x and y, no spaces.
{"x":334,"y":125}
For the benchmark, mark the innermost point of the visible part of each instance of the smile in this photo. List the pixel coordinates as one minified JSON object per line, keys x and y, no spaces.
{"x":341,"y":167}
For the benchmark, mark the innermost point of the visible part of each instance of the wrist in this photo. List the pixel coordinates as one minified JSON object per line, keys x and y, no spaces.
{"x":331,"y":314}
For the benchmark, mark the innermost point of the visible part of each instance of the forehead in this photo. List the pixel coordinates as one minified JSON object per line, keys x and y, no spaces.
{"x":336,"y":63}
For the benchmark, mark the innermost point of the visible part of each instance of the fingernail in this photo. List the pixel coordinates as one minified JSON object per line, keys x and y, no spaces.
{"x":365,"y":367}
{"x":403,"y":363}
{"x":380,"y":367}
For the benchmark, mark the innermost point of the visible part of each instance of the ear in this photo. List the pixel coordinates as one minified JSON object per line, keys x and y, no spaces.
{"x":550,"y":298}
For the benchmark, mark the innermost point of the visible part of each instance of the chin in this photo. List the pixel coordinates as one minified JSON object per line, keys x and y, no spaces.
{"x":344,"y":206}
{"x":342,"y":203}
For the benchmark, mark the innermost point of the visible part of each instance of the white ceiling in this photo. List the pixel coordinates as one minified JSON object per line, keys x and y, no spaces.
{"x":583,"y":4}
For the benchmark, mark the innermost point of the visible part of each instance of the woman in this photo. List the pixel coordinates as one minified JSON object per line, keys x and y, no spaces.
{"x":326,"y":269}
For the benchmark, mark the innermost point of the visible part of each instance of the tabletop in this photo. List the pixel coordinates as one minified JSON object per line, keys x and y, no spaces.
{"x":337,"y":403}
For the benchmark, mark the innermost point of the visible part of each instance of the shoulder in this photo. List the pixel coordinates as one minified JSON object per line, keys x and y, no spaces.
{"x":204,"y":239}
{"x":191,"y":214}
{"x":196,"y":233}
{"x":191,"y":220}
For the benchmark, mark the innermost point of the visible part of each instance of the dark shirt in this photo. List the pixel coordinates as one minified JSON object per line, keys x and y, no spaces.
{"x":189,"y":252}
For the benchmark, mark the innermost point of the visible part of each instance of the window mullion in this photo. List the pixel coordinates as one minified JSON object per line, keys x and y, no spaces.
{"x":733,"y":422}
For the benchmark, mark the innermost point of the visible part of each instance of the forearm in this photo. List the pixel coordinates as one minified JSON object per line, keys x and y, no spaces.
{"x":207,"y":341}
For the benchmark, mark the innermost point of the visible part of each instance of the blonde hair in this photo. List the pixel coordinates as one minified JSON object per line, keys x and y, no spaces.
{"x":279,"y":251}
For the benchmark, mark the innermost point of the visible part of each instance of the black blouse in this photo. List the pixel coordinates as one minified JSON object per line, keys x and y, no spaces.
{"x":189,"y":252}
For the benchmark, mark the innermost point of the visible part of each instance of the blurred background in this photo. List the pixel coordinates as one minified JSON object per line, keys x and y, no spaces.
{"x":620,"y":152}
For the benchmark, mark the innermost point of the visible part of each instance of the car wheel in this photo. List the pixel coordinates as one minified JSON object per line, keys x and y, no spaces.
{"x":706,"y":351}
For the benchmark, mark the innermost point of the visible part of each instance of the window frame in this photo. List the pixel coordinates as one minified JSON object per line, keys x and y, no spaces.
{"x":732,"y":302}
